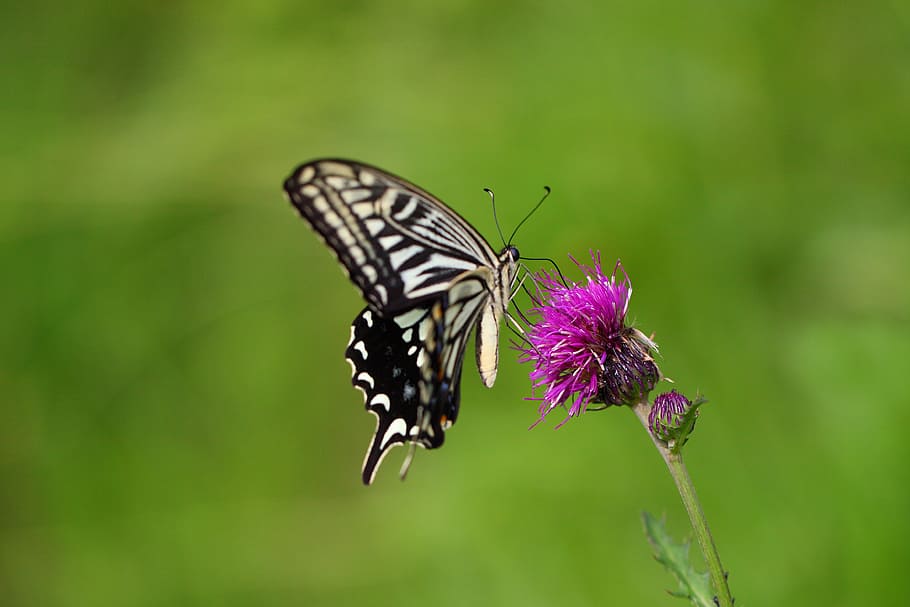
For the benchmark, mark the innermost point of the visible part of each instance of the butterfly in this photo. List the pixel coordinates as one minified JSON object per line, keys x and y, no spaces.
{"x":428,"y":278}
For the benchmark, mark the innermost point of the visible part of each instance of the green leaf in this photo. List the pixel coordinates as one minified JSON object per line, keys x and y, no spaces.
{"x":686,"y":425}
{"x":675,"y":557}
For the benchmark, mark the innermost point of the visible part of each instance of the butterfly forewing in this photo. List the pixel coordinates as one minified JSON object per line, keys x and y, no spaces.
{"x":399,"y":244}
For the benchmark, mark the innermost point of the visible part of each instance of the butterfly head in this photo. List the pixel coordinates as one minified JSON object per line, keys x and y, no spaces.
{"x":510,"y":254}
{"x":508,"y":271}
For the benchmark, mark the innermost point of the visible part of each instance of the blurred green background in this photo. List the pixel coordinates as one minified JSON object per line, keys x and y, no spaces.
{"x":177,"y":424}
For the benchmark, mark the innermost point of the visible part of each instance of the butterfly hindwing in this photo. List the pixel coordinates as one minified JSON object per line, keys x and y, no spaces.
{"x":409,"y":368}
{"x":391,"y":365}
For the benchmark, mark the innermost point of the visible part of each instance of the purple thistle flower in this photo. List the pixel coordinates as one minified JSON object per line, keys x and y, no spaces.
{"x":581,"y":348}
{"x":667,"y":414}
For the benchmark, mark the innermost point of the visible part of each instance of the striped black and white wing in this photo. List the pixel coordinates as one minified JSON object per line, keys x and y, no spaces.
{"x":399,"y":244}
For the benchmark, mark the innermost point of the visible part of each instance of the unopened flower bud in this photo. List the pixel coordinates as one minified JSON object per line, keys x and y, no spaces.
{"x":667,"y":415}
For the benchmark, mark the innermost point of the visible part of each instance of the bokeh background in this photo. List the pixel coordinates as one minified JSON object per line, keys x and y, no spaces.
{"x":177,"y":424}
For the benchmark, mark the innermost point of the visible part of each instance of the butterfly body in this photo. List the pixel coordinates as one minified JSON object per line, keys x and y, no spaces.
{"x":428,"y":278}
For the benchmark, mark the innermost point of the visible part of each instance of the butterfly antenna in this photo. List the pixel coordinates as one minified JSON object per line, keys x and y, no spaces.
{"x":528,"y":216}
{"x":495,"y":218}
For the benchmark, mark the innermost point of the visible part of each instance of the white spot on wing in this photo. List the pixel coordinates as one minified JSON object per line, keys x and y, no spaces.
{"x":319,"y":202}
{"x":329,"y":167}
{"x":353,"y":371}
{"x":332,"y":219}
{"x":345,"y":235}
{"x":383,"y":294}
{"x":402,"y":255}
{"x":422,"y":330}
{"x":409,"y":318}
{"x":366,"y":377}
{"x":396,"y":427}
{"x":388,"y":242}
{"x":381,"y":399}
{"x":354,"y":195}
{"x":408,"y":391}
{"x":374,"y":226}
{"x":366,"y":178}
{"x":362,"y":209}
{"x":306,"y":174}
{"x":341,"y":183}
{"x":407,"y":210}
{"x":357,"y":253}
{"x":360,"y":347}
{"x":370,"y":272}
{"x":368,"y":315}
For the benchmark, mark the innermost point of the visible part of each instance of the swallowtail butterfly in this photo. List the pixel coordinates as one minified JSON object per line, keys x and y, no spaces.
{"x":428,"y":278}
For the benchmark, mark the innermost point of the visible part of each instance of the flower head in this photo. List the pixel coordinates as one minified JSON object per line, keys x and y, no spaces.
{"x":581,"y":348}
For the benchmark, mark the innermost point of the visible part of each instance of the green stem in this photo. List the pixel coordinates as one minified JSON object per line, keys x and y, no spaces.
{"x":696,"y":516}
